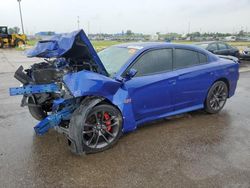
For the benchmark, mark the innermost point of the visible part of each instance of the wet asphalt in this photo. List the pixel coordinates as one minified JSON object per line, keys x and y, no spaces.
{"x":190,"y":150}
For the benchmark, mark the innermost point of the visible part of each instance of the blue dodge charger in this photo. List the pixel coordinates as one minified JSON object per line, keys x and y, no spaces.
{"x":94,"y":98}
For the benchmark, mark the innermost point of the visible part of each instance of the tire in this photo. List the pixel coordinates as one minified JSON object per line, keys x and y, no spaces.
{"x":1,"y":44}
{"x":216,"y":97}
{"x":100,"y":128}
{"x":19,"y":42}
{"x":37,"y":112}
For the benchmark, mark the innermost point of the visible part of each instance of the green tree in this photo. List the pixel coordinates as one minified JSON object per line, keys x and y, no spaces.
{"x":129,"y":32}
{"x":241,"y":33}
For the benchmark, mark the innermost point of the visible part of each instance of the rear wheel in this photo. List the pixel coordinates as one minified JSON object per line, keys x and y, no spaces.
{"x":216,"y":98}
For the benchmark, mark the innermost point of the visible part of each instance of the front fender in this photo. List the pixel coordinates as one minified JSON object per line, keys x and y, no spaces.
{"x":86,"y":83}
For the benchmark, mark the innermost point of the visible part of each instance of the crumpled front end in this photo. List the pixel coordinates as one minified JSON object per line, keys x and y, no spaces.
{"x":51,"y":103}
{"x":59,"y":118}
{"x":44,"y":91}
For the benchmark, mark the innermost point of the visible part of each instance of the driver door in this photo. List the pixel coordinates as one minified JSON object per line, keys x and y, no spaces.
{"x":151,"y":89}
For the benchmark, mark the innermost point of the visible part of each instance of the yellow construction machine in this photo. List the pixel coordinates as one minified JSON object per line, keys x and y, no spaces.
{"x":11,"y":40}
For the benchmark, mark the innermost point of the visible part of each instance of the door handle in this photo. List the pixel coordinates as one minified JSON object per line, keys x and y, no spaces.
{"x":172,"y":82}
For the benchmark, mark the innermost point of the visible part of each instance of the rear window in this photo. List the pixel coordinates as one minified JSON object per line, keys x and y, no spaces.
{"x":185,"y":58}
{"x":203,"y":58}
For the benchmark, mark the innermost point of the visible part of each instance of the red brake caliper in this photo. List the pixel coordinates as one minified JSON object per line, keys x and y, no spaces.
{"x":108,"y":122}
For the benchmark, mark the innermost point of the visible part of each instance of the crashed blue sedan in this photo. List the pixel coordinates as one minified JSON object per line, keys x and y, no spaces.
{"x":94,"y":98}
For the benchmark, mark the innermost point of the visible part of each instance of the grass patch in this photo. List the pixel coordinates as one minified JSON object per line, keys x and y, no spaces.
{"x":239,"y":43}
{"x":100,"y":45}
{"x":31,"y":42}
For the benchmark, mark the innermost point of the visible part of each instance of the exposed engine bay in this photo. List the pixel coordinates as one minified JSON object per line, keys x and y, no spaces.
{"x":43,"y":87}
{"x":48,"y":72}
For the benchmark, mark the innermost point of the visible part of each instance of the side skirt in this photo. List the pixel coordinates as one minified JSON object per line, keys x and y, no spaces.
{"x":189,"y":109}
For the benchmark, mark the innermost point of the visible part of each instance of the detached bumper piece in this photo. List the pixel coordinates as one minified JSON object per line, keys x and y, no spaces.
{"x":32,"y":89}
{"x":56,"y":117}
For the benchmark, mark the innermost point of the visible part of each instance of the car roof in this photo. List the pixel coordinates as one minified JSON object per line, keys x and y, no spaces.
{"x":149,"y":45}
{"x":141,"y":44}
{"x":208,"y":42}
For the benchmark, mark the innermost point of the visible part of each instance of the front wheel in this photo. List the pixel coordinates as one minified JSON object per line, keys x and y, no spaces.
{"x":19,"y":43}
{"x":36,"y":111}
{"x":216,"y":97}
{"x":100,"y":128}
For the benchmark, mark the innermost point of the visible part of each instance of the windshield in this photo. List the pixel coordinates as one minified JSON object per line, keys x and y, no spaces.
{"x":202,"y":45}
{"x":113,"y":58}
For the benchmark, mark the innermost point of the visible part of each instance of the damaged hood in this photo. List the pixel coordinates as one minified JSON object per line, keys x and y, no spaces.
{"x":75,"y":45}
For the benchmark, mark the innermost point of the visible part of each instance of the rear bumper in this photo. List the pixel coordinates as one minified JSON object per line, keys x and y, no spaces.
{"x":233,"y":80}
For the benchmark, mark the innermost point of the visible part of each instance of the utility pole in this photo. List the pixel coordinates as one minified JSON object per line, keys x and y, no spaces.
{"x":78,"y":22}
{"x":88,"y":27}
{"x":188,"y":27}
{"x":20,"y":10}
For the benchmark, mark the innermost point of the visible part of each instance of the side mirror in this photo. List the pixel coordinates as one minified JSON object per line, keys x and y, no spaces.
{"x":131,"y":73}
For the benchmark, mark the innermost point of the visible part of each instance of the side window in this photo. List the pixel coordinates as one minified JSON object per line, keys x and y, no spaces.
{"x":212,"y":47}
{"x":3,"y":30}
{"x":222,"y":46}
{"x":229,"y":47}
{"x":185,"y":58}
{"x":203,"y":58}
{"x":154,"y":61}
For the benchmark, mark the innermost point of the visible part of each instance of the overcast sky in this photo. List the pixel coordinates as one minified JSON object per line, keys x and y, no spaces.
{"x":111,"y":16}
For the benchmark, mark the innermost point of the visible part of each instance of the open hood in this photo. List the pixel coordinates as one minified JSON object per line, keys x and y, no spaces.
{"x":75,"y":45}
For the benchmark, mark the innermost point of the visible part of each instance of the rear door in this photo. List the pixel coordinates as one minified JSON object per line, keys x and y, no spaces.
{"x":193,"y":78}
{"x":223,"y":49}
{"x":151,"y":89}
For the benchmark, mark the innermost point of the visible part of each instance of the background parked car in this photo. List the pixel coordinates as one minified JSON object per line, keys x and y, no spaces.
{"x":219,"y":48}
{"x":245,"y":54}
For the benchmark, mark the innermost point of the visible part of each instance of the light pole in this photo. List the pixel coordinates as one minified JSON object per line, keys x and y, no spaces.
{"x":19,"y":2}
{"x":78,"y":23}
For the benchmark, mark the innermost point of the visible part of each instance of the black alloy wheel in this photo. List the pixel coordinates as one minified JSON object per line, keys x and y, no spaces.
{"x":217,"y":97}
{"x":102,"y":128}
